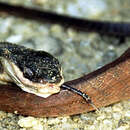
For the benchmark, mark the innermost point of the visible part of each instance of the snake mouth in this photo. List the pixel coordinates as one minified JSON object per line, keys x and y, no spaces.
{"x":40,"y":89}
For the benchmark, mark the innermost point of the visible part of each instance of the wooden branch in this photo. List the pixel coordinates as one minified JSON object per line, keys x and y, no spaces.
{"x":105,"y":86}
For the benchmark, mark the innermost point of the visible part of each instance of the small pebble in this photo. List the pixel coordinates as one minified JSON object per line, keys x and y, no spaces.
{"x":116,"y":115}
{"x":127,"y":114}
{"x":2,"y":115}
{"x":14,"y":38}
{"x":107,"y":122}
{"x":117,"y":108}
{"x":51,"y":45}
{"x":28,"y":122}
{"x":53,"y":121}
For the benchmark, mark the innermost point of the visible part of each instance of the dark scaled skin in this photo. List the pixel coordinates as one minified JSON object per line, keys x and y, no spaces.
{"x":35,"y":65}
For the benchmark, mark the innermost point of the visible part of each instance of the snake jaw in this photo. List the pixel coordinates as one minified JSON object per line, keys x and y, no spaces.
{"x":40,"y":89}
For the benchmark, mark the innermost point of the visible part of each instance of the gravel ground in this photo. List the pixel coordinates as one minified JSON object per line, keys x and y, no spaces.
{"x":72,"y":49}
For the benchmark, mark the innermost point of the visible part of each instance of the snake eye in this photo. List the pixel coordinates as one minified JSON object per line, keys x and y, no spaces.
{"x":28,"y":71}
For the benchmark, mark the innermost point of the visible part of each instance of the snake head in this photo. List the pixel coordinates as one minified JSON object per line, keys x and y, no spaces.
{"x":36,"y":72}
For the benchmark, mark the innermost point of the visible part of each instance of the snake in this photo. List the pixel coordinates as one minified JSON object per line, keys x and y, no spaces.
{"x":17,"y":64}
{"x":35,"y":72}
